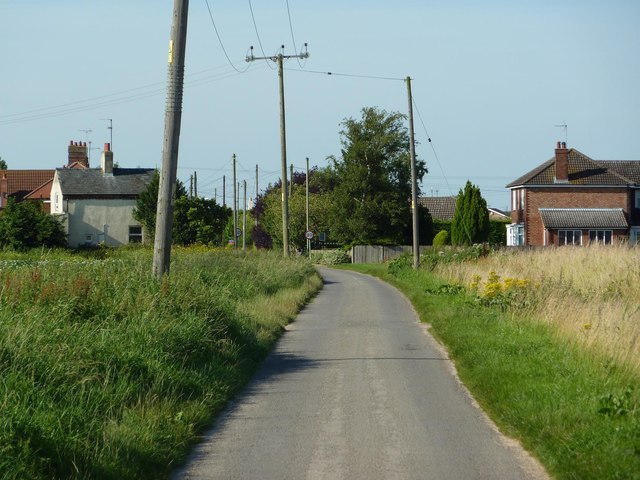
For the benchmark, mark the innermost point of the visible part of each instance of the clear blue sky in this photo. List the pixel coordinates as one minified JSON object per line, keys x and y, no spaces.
{"x":492,"y":80}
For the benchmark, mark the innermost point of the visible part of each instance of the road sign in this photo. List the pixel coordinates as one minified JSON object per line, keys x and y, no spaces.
{"x":308,"y":235}
{"x":238,"y":232}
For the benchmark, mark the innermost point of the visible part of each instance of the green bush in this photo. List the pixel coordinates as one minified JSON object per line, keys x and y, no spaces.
{"x":330,"y":257}
{"x":442,"y":238}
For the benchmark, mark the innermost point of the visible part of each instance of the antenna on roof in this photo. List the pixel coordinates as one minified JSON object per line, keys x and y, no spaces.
{"x":566,"y":127}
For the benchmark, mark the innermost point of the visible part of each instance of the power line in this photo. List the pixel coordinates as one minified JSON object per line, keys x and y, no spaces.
{"x":335,"y":74}
{"x":293,"y":38}
{"x":77,"y":106}
{"x":220,"y":39}
{"x":435,"y":154}
{"x":255,"y":26}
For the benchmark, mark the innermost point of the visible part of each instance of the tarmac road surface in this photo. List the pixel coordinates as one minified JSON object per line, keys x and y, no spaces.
{"x":356,"y":389}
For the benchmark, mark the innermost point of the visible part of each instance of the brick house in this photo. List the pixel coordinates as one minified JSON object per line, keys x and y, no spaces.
{"x":572,"y":199}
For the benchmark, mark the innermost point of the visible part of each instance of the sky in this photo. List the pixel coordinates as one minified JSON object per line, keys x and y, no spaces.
{"x":492,"y":83}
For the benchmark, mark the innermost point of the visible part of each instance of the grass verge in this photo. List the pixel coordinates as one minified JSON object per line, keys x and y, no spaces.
{"x":106,"y":373}
{"x":575,"y":410}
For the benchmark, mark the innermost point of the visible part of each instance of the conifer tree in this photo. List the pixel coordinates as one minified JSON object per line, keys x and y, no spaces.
{"x":471,"y":220}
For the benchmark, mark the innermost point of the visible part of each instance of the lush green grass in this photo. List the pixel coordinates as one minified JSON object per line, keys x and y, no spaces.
{"x":576,"y":412}
{"x":106,"y":373}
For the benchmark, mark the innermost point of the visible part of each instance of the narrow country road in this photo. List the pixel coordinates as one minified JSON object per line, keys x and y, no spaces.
{"x":356,"y":389}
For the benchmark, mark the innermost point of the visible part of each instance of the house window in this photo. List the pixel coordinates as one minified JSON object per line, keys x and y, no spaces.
{"x":515,"y":235}
{"x":135,"y":234}
{"x":569,"y":237}
{"x":600,"y":236}
{"x":88,"y":239}
{"x":517,"y":199}
{"x":638,"y":199}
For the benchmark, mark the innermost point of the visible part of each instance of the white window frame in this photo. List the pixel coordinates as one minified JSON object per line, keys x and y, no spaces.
{"x":604,"y":237}
{"x":563,"y":236}
{"x":515,"y":235}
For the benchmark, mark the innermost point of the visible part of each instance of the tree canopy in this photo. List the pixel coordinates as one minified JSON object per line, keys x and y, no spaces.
{"x":195,"y":220}
{"x":371,"y":199}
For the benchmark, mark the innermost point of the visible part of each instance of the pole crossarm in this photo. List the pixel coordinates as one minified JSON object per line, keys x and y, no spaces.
{"x":274,"y":58}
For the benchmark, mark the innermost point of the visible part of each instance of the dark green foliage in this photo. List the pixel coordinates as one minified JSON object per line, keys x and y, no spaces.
{"x":26,"y":225}
{"x":471,"y":221}
{"x":147,"y":204}
{"x":195,"y":220}
{"x":498,"y":232}
{"x":441,"y":238}
{"x":198,"y":220}
{"x":371,"y":197}
{"x":425,"y":227}
{"x":442,"y":225}
{"x":3,"y":164}
{"x":268,"y":208}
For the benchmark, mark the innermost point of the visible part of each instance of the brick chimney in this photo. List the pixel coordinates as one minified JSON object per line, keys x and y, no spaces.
{"x":106,"y":161}
{"x":78,"y":153}
{"x":562,"y":163}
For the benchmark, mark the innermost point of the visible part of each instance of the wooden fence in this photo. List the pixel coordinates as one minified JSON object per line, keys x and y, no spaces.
{"x":380,"y":253}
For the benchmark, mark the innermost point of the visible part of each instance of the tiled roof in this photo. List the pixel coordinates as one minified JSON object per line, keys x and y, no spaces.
{"x":125,"y":182}
{"x":43,"y":192}
{"x":584,"y":171}
{"x":441,"y":208}
{"x":21,"y":182}
{"x":583,"y":218}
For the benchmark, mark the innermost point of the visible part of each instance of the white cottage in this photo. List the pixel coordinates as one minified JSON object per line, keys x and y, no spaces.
{"x":96,"y":204}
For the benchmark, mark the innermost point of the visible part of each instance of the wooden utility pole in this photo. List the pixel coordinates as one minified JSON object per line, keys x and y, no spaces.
{"x":290,"y":180}
{"x":414,"y":182}
{"x":235,"y":206}
{"x":257,"y":193}
{"x":195,"y":184}
{"x":224,"y":191}
{"x":307,"y":208}
{"x":244,"y":218}
{"x":279,"y":59}
{"x":172,"y":120}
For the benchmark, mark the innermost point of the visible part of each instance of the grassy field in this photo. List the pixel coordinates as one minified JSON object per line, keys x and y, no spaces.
{"x":544,"y":376}
{"x":106,"y":373}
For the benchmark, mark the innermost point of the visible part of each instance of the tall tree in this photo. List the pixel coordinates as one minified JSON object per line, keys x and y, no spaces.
{"x":371,"y":199}
{"x":3,"y":164}
{"x":471,"y":219}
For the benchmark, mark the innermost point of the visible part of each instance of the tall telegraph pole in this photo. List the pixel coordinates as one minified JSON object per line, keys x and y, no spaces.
{"x":414,"y":183}
{"x":279,"y":59}
{"x":172,"y":119}
{"x":235,"y":206}
{"x":307,"y":209}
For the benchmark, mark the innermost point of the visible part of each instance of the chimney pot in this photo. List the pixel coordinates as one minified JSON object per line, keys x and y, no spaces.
{"x":558,"y":145}
{"x":564,"y":144}
{"x":107,"y":147}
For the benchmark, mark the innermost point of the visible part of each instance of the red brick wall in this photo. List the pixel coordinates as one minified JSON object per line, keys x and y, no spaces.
{"x":568,"y":197}
{"x":617,"y":237}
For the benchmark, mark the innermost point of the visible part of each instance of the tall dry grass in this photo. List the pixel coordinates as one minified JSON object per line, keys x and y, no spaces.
{"x":590,"y":294}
